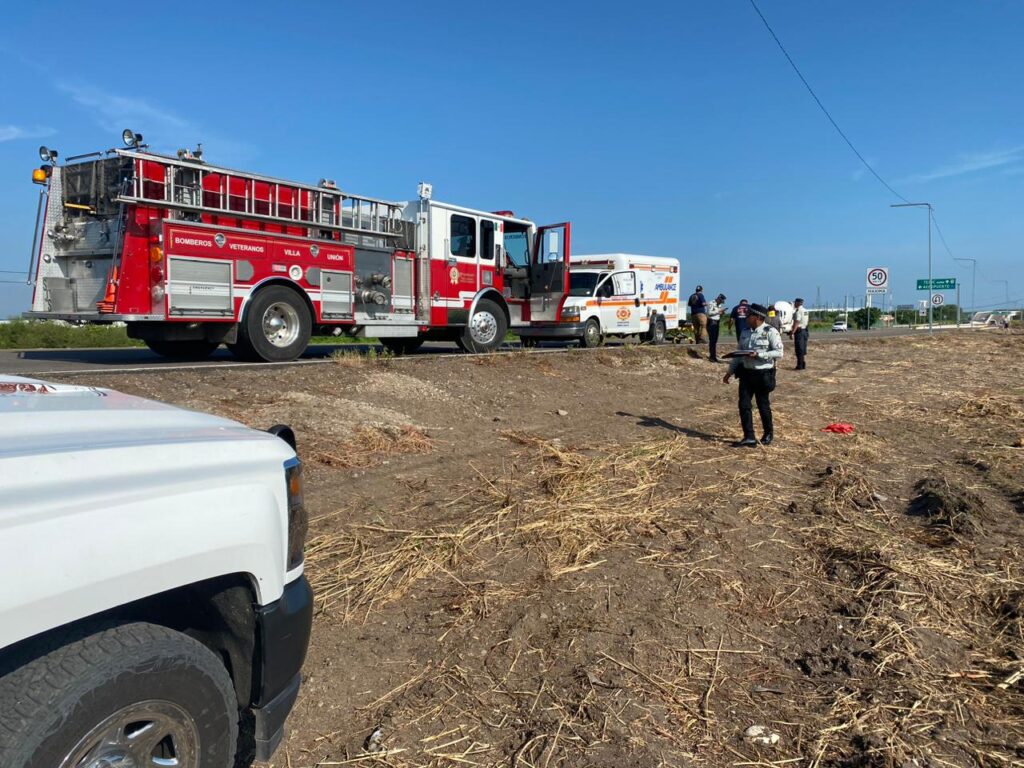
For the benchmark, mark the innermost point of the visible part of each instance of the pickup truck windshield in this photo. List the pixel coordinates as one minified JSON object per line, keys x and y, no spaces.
{"x":583,"y":283}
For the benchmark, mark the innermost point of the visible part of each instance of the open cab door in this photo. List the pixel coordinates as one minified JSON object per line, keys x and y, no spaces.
{"x":549,"y":272}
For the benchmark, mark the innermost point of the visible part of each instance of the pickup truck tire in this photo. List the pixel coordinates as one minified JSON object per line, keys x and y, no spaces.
{"x":182,"y":350}
{"x":118,"y":694}
{"x":486,"y":329}
{"x":591,"y":334}
{"x":275,"y":328}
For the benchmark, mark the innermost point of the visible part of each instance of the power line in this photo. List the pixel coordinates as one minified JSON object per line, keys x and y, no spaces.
{"x":810,"y":90}
{"x":821,"y":106}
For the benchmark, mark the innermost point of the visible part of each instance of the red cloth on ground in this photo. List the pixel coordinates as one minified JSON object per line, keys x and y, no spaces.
{"x":840,"y":428}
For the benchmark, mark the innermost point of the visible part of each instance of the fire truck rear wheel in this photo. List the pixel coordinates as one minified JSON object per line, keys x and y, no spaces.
{"x":193,"y":349}
{"x":591,"y":334}
{"x":486,"y":328}
{"x":276,"y":327}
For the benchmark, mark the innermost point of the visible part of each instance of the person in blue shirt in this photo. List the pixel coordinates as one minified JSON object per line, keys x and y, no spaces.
{"x":738,"y":319}
{"x":698,"y":314}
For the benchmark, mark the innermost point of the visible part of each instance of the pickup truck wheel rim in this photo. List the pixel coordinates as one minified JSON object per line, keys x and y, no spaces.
{"x":149,"y":734}
{"x":483,"y":327}
{"x":281,"y":324}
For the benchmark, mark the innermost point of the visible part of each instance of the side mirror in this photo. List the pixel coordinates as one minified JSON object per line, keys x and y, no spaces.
{"x":636,"y":302}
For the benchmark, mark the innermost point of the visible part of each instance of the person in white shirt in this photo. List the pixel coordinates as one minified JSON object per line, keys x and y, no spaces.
{"x":715,"y":311}
{"x":754,"y":365}
{"x":801,"y":323}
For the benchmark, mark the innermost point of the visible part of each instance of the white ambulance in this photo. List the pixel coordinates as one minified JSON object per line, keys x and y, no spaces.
{"x":614,"y":294}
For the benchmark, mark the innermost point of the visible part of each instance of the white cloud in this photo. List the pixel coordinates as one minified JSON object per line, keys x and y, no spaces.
{"x":161,"y":128}
{"x":971,"y":163}
{"x":114,"y":113}
{"x":14,"y":132}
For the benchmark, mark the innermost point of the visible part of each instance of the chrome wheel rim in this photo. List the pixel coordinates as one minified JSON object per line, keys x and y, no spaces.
{"x":149,"y":734}
{"x":593,"y":334}
{"x":483,"y":328}
{"x":281,"y":324}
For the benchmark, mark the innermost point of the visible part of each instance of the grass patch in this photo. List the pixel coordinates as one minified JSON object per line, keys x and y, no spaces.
{"x":34,"y":334}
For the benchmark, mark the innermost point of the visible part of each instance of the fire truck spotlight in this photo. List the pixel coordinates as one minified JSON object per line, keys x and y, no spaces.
{"x":130,"y":138}
{"x":44,"y":154}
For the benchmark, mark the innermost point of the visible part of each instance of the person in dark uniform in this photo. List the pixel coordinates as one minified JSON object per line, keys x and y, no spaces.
{"x":754,"y":364}
{"x":801,"y":330}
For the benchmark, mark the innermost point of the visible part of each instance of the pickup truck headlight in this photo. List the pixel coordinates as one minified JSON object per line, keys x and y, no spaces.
{"x":298,"y":519}
{"x":570,"y":314}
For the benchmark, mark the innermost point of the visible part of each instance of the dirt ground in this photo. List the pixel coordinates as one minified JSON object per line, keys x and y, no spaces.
{"x":544,"y":560}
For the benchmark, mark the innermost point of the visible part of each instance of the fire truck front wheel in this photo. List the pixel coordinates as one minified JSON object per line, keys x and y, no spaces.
{"x":486,"y":328}
{"x":276,"y":326}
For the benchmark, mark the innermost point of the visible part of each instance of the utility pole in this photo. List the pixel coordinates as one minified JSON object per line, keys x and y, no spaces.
{"x":974,"y":276}
{"x":1006,"y":287}
{"x":929,"y":207}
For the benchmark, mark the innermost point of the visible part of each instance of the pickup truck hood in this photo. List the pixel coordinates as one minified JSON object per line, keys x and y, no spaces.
{"x":37,"y":417}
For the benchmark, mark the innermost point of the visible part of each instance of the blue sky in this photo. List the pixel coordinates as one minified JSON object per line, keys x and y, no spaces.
{"x":668,"y":128}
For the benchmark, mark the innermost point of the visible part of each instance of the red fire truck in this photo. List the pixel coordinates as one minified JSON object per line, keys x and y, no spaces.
{"x":190,"y":256}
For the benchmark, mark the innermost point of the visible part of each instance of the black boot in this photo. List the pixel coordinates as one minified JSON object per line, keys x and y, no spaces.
{"x":767,"y":439}
{"x":746,"y":442}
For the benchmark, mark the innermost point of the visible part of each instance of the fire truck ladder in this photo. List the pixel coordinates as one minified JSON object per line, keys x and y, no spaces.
{"x":325,"y":209}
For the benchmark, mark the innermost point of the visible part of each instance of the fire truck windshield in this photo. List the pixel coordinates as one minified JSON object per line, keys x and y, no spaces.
{"x":583,"y":283}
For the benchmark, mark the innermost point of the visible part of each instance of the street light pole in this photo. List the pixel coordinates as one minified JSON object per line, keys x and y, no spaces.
{"x":931,"y":307}
{"x":974,"y":277}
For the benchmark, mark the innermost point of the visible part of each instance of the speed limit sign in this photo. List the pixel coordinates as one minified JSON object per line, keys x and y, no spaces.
{"x":938,"y":299}
{"x":878,"y":279}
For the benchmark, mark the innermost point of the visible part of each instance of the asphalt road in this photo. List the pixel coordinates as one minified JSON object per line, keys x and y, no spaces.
{"x":38,"y":362}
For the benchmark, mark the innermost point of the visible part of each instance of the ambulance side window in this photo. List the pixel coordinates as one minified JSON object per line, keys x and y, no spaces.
{"x":606,"y":290}
{"x":625,"y":283}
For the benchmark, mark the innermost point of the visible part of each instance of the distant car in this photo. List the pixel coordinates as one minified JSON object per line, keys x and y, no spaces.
{"x":840,"y":326}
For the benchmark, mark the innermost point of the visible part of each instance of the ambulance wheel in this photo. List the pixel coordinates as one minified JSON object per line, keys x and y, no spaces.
{"x":400,"y":347}
{"x":657,"y":333}
{"x":193,"y":349}
{"x":486,"y":328}
{"x":591,"y":334}
{"x":276,"y":327}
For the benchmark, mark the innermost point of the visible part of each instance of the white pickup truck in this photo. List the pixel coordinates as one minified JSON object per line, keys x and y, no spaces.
{"x":154,"y":610}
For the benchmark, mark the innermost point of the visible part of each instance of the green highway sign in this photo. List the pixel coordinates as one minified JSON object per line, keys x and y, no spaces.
{"x":938,"y":284}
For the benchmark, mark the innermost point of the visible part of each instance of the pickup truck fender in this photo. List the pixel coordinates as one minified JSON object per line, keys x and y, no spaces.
{"x":113,"y":524}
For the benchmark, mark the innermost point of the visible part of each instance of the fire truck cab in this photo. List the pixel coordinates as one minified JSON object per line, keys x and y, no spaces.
{"x":191,"y":255}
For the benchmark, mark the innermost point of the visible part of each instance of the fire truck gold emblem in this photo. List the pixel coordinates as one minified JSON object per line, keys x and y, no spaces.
{"x":453,"y":275}
{"x":622,"y":313}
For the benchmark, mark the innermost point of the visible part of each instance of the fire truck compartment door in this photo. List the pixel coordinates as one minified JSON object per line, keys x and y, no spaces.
{"x":199,"y":287}
{"x":549,"y":272}
{"x":336,"y":299}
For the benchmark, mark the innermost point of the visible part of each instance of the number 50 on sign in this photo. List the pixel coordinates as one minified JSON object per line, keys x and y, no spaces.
{"x":878,"y":278}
